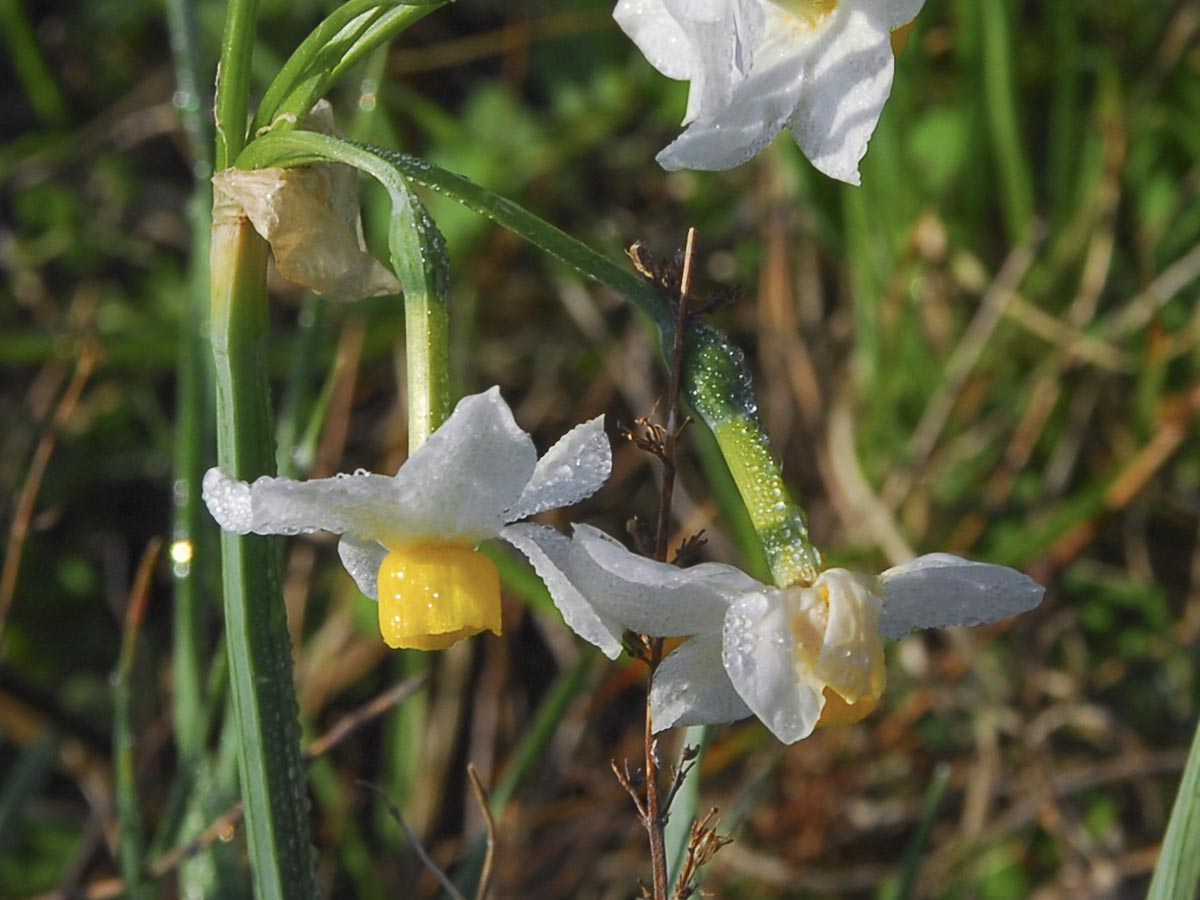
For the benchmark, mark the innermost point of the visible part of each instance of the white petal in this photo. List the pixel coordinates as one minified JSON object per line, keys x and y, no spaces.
{"x":759,"y":107}
{"x":848,"y":79}
{"x":362,"y":560}
{"x":759,"y":656}
{"x":698,"y":10}
{"x":651,"y":597}
{"x":709,"y":42}
{"x":548,"y":552}
{"x":691,"y":687}
{"x":658,"y":35}
{"x":938,"y":590}
{"x":893,"y":13}
{"x":574,"y":468}
{"x":456,"y":488}
{"x":715,"y":45}
{"x":361,"y":504}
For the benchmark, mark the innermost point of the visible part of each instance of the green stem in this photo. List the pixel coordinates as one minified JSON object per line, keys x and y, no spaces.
{"x":302,"y":57}
{"x":260,"y":661}
{"x":717,"y":382}
{"x":718,"y":387}
{"x":232,"y":102}
{"x":418,"y":256}
{"x":190,"y":89}
{"x":193,"y":400}
{"x":380,"y":31}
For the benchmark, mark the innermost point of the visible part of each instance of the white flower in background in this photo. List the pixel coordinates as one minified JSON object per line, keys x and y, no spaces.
{"x":795,"y":657}
{"x":409,"y":540}
{"x":820,"y":68}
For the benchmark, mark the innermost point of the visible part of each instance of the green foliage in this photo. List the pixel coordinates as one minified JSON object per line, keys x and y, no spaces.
{"x":1063,"y":131}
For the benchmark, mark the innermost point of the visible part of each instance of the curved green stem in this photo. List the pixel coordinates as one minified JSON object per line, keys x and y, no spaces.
{"x":418,"y":255}
{"x":717,"y":383}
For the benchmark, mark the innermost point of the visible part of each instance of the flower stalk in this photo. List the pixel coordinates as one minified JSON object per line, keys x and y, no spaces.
{"x":256,"y":635}
{"x":260,"y":660}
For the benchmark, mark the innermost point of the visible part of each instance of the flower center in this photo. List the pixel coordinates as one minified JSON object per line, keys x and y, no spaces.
{"x":433,"y":595}
{"x":809,"y":13}
{"x":835,"y":634}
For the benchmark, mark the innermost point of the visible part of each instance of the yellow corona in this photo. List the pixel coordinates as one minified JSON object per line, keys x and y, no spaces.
{"x":850,"y":661}
{"x":433,"y":595}
{"x":812,"y":11}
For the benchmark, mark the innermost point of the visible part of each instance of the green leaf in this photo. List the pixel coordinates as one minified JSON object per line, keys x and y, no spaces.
{"x":342,"y":39}
{"x":1177,"y":872}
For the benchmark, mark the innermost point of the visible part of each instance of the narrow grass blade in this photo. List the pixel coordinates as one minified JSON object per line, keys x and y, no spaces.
{"x":683,"y":808}
{"x":343,"y":39}
{"x":907,"y":884}
{"x":190,"y":539}
{"x":1016,"y":182}
{"x":129,"y":810}
{"x":42,"y":91}
{"x":1177,"y":873}
{"x":24,"y":778}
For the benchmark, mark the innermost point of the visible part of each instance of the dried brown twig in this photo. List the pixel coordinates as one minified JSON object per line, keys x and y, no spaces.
{"x":674,"y":280}
{"x":481,"y":797}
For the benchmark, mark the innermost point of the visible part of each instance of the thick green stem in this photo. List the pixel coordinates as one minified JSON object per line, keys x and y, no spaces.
{"x":232,"y":101}
{"x":260,"y":661}
{"x":717,"y":385}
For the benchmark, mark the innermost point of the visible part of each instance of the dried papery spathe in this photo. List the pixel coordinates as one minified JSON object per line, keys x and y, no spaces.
{"x":309,"y":215}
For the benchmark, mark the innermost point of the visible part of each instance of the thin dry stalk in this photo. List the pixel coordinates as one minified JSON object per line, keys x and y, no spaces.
{"x":661,"y":441}
{"x":18,"y":533}
{"x":489,"y":859}
{"x":414,"y":841}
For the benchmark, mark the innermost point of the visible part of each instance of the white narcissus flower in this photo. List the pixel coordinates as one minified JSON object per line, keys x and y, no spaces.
{"x":820,"y":68}
{"x":409,"y":540}
{"x":795,"y":657}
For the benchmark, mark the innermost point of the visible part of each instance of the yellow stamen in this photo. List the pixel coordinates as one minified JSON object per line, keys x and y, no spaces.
{"x":433,"y":595}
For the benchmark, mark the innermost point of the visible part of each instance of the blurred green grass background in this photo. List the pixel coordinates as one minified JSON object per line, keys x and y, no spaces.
{"x":990,"y":348}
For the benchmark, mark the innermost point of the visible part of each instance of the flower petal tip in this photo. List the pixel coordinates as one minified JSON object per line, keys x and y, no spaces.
{"x":228,"y":500}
